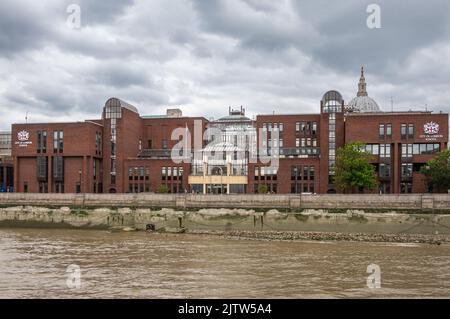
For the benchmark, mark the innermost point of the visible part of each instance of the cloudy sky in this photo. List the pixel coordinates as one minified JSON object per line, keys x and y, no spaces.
{"x":206,"y":55}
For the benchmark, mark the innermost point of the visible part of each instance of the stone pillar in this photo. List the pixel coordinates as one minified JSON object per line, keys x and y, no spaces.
{"x":90,"y":175}
{"x":84,"y":175}
{"x":395,"y":167}
{"x":16,"y":174}
{"x":50,"y":174}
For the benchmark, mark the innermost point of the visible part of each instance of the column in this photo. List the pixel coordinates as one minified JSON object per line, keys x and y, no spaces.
{"x":395,"y":161}
{"x":84,"y":175}
{"x":50,"y":174}
{"x":16,"y":174}
{"x":90,"y":175}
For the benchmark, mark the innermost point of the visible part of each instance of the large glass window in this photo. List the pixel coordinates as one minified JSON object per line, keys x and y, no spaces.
{"x":407,"y":170}
{"x":385,"y":150}
{"x":385,"y":170}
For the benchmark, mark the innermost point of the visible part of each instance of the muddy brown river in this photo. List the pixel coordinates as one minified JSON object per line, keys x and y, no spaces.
{"x":34,"y":264}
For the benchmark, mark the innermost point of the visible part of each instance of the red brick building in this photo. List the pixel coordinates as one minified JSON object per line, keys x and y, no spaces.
{"x":125,"y":152}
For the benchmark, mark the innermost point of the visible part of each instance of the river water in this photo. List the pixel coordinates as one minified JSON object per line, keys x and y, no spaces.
{"x":33,"y":264}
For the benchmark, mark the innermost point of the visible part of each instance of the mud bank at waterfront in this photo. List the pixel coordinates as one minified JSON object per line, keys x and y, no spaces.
{"x":328,"y":236}
{"x":347,"y":222}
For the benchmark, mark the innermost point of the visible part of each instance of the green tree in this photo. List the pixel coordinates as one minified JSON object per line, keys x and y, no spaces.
{"x":353,"y":170}
{"x":437,"y":172}
{"x":262,"y":189}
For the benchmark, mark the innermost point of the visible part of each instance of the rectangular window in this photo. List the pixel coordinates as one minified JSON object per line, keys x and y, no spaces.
{"x":150,"y":144}
{"x":389,"y":130}
{"x":381,"y":131}
{"x":305,"y":172}
{"x":311,"y":173}
{"x":303,"y":128}
{"x":130,"y":174}
{"x":163,"y":173}
{"x":385,"y":170}
{"x":164,"y":144}
{"x":44,"y":141}
{"x":411,"y":131}
{"x":385,"y":150}
{"x":61,"y":139}
{"x":403,"y":131}
{"x":38,"y":144}
{"x":293,"y":173}
{"x":407,"y":170}
{"x":55,"y":141}
{"x":314,"y":128}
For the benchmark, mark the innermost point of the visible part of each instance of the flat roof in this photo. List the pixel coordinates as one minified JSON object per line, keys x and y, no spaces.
{"x":396,"y":113}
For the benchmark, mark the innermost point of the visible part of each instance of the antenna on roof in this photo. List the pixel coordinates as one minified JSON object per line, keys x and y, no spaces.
{"x":426,"y":107}
{"x":26,"y":117}
{"x":392,"y":104}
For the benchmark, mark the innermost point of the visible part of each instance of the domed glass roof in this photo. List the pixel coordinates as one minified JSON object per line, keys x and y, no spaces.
{"x":362,"y":102}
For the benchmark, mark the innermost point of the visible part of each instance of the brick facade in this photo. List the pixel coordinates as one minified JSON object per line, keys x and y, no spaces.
{"x":124,"y":152}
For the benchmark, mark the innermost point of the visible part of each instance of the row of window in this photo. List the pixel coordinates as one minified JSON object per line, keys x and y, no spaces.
{"x":306,"y":141}
{"x":407,"y":169}
{"x":273,"y":127}
{"x":98,"y":143}
{"x":409,"y":150}
{"x":41,"y":144}
{"x":406,"y":130}
{"x":298,"y":188}
{"x":304,"y":172}
{"x":384,"y":150}
{"x":266,"y":173}
{"x":306,"y":128}
{"x":139,"y":173}
{"x":172,"y":173}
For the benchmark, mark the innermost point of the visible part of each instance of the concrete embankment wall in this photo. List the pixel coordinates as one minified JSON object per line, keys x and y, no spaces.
{"x":321,"y":220}
{"x":406,"y":214}
{"x":424,"y":202}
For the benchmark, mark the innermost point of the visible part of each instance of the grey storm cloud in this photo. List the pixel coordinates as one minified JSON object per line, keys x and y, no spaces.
{"x":203,"y":56}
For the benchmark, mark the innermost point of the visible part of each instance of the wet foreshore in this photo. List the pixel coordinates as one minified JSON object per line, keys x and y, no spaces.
{"x":327,"y":236}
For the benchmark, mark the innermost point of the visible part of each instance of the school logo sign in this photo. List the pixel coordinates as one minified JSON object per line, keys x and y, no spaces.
{"x":23,"y":139}
{"x":23,"y":136}
{"x":431,"y":128}
{"x":431,"y":132}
